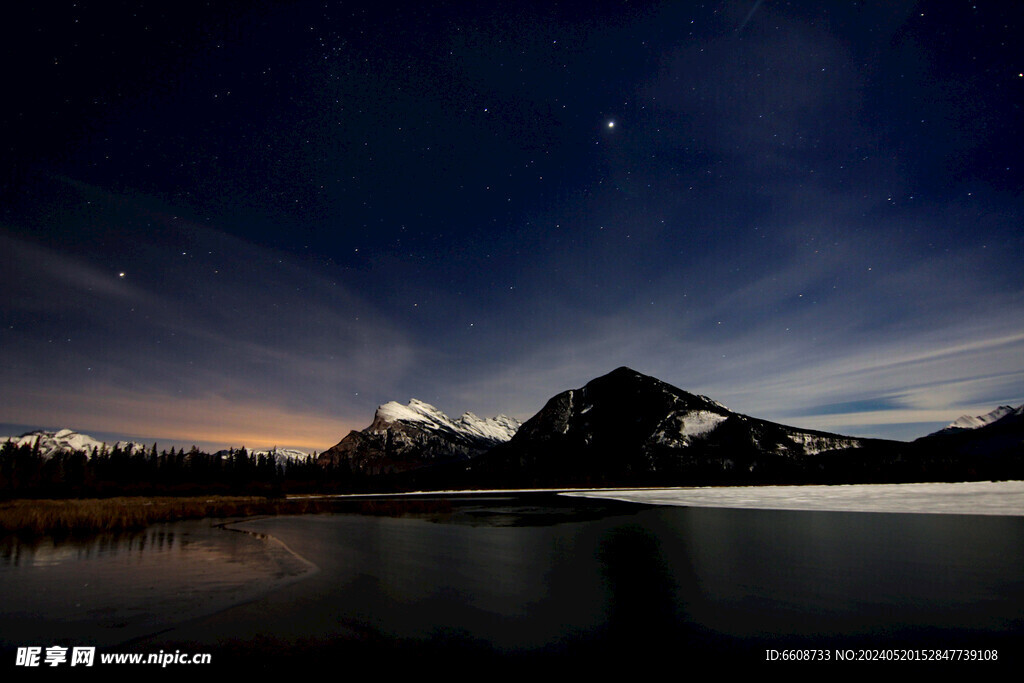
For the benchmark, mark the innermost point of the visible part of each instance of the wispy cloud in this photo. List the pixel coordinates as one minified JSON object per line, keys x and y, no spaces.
{"x":259,"y":338}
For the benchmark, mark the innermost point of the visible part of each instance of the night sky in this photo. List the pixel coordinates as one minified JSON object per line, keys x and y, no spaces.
{"x":251,"y":223}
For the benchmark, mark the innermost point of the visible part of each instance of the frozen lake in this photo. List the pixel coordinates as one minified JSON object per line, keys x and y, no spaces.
{"x":546,"y":580}
{"x":961,"y":498}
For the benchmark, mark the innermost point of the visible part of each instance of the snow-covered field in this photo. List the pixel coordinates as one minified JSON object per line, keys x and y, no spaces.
{"x":966,"y":498}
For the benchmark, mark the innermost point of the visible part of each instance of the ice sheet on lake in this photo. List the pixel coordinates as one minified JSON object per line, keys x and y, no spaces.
{"x":965,"y":498}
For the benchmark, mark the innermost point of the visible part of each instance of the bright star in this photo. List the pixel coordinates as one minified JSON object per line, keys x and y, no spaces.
{"x":611,"y":124}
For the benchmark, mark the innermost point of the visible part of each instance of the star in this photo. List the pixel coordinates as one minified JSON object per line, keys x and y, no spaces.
{"x":611,"y":124}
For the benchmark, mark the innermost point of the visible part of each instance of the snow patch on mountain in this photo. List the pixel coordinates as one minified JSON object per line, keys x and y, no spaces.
{"x":699,"y":422}
{"x":816,"y":443}
{"x":498,"y":428}
{"x":681,"y":427}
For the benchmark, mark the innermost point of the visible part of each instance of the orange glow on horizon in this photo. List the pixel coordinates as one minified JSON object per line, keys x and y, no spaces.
{"x":212,"y":420}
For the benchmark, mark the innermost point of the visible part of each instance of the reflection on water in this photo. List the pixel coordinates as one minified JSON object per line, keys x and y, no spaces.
{"x":641,"y":589}
{"x":775,"y":573}
{"x":48,"y":551}
{"x":112,"y":587}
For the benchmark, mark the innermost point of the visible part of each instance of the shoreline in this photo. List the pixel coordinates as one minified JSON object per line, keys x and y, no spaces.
{"x":70,"y":517}
{"x":38,"y":517}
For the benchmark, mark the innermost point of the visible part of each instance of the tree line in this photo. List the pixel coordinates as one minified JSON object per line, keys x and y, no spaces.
{"x":26,"y":472}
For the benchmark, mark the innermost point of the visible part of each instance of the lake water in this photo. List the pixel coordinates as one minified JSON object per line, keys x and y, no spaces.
{"x":110,"y":588}
{"x":533,"y":580}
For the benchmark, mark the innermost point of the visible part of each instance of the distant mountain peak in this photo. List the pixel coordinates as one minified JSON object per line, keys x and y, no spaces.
{"x":969,"y":422}
{"x":415,"y":435}
{"x":284,"y":456}
{"x":973,"y":422}
{"x":65,"y":441}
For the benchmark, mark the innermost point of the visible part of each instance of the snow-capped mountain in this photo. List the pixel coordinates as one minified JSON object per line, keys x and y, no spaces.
{"x":66,"y":441}
{"x":626,"y":427}
{"x":288,"y":454}
{"x":407,"y":437}
{"x":993,"y":442}
{"x":966,"y":422}
{"x":285,"y":454}
{"x":499,"y":428}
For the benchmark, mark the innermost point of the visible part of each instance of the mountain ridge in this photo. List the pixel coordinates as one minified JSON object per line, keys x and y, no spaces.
{"x":969,"y":422}
{"x":627,"y":428}
{"x":52,"y":442}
